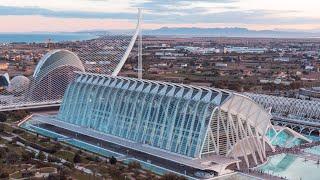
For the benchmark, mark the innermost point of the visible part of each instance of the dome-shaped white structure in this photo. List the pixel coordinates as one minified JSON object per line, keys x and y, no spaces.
{"x":19,"y":84}
{"x":56,"y":59}
{"x":53,"y":74}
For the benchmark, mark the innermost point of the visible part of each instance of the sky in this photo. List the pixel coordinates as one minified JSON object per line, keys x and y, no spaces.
{"x":78,"y":15}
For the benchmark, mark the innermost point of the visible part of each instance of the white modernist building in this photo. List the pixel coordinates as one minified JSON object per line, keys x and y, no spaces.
{"x":200,"y":127}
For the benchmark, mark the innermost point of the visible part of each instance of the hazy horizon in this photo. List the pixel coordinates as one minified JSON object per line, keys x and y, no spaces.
{"x":71,"y":16}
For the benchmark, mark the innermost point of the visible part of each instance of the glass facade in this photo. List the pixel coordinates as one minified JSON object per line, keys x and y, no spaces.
{"x":168,"y":116}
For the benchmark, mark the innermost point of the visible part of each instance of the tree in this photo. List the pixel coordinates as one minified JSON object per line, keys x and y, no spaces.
{"x":134,"y":165}
{"x":53,"y":159}
{"x":41,"y":156}
{"x":4,"y":174}
{"x":3,"y":117}
{"x":56,"y":147}
{"x":2,"y":128}
{"x":77,"y":158}
{"x":172,"y":176}
{"x":18,"y":115}
{"x":53,"y":177}
{"x":114,"y":172}
{"x":26,"y":156}
{"x":3,"y":152}
{"x":27,"y":174}
{"x":113,"y":160}
{"x":63,"y":172}
{"x":12,"y":157}
{"x":68,"y":164}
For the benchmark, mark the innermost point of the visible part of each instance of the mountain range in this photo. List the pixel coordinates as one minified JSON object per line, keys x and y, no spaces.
{"x":230,"y":32}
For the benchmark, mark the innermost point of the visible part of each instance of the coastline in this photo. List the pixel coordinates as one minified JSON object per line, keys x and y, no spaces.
{"x":43,"y":37}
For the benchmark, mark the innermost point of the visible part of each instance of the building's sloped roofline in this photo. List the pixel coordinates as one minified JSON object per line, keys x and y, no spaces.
{"x":248,"y":109}
{"x":206,"y":94}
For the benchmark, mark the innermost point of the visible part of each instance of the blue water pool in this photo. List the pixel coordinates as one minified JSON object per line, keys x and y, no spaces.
{"x":291,"y":167}
{"x":313,"y":150}
{"x":313,"y":138}
{"x":282,"y":139}
{"x":70,"y":141}
{"x":154,"y":168}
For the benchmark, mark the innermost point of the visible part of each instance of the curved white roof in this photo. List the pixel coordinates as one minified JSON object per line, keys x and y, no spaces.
{"x":19,"y":83}
{"x":55,"y":59}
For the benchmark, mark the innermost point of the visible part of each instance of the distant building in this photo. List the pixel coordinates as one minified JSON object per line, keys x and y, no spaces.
{"x":309,"y":67}
{"x":4,"y":66}
{"x":198,"y":50}
{"x":4,"y":80}
{"x":168,"y":53}
{"x":157,"y":46}
{"x":282,"y":59}
{"x":312,"y":93}
{"x":221,"y":65}
{"x":244,"y":50}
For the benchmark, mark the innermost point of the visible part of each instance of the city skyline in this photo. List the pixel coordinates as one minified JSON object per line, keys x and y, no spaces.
{"x":31,"y":16}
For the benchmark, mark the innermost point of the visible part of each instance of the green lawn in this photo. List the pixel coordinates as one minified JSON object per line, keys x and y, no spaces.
{"x":67,"y":155}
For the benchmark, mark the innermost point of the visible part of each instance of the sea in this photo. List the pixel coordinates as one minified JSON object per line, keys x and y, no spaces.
{"x":43,"y":37}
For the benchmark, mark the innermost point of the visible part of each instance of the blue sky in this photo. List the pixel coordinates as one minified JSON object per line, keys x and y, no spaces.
{"x":68,"y":15}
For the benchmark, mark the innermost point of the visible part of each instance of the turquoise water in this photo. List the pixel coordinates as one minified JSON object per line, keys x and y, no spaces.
{"x":282,"y":139}
{"x":42,"y":37}
{"x":291,"y":167}
{"x":154,"y":168}
{"x":73,"y":142}
{"x":313,"y":138}
{"x":314,"y":150}
{"x":236,"y":176}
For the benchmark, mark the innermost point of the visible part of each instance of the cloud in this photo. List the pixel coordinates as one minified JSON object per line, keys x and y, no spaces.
{"x":11,"y":10}
{"x":164,"y":14}
{"x":156,"y":6}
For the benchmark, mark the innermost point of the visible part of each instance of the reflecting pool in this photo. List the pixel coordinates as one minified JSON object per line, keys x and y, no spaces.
{"x":282,"y":139}
{"x":313,"y":150}
{"x":291,"y":167}
{"x":71,"y":141}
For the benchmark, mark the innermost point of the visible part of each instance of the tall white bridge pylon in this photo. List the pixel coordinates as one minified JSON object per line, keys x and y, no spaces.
{"x":105,"y":54}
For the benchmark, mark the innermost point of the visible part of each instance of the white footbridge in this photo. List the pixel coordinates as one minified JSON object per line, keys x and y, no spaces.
{"x":300,"y":115}
{"x":106,"y":54}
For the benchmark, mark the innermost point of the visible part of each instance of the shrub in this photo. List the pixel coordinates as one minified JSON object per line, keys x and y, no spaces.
{"x":41,"y":156}
{"x":77,"y":158}
{"x":113,"y":160}
{"x":172,"y":176}
{"x":26,"y":156}
{"x":134,"y":165}
{"x":68,"y":164}
{"x":4,"y":174}
{"x":3,"y":117}
{"x":53,"y":159}
{"x":12,"y":157}
{"x":17,"y":131}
